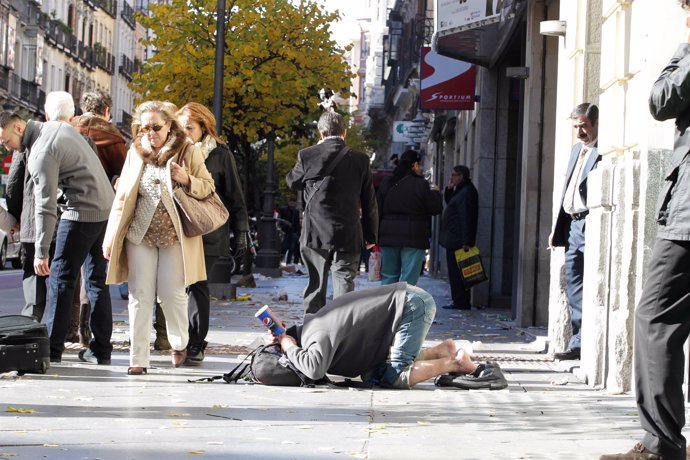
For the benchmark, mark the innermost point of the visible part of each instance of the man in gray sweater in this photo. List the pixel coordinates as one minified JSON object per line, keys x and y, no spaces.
{"x":376,"y":334}
{"x":61,"y":161}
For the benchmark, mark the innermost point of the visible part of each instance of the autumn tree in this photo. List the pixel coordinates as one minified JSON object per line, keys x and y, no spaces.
{"x":279,"y":53}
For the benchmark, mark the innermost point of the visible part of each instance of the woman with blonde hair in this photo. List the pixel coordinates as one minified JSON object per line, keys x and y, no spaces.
{"x":199,"y":125}
{"x":144,"y":240}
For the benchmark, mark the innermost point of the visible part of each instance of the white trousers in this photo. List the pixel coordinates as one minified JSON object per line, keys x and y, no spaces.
{"x":154,"y":271}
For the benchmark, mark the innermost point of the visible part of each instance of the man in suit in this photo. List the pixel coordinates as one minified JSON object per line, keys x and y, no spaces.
{"x":569,"y":230}
{"x":337,"y":184}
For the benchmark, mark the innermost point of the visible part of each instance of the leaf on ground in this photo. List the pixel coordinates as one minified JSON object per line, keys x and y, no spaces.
{"x":179,"y":414}
{"x":20,"y":410}
{"x":196,"y":452}
{"x":423,"y":422}
{"x":220,"y":406}
{"x":4,"y":454}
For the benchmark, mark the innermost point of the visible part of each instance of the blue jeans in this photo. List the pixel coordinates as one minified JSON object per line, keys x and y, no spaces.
{"x":418,"y":314}
{"x":77,"y":244}
{"x":401,"y":264}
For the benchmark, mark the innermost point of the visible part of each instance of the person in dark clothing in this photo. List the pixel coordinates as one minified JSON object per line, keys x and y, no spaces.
{"x":200,"y":126}
{"x":291,"y":226}
{"x":332,"y":232}
{"x":459,"y":230}
{"x":376,"y":334}
{"x":406,"y":203}
{"x":662,"y":318}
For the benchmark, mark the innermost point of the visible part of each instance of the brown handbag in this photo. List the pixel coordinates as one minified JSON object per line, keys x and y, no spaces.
{"x":199,"y":216}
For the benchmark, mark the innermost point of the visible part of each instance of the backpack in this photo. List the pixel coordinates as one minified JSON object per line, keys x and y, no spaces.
{"x":267,"y":365}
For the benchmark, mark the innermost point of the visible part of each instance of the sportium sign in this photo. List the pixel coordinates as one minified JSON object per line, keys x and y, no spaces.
{"x":446,"y":83}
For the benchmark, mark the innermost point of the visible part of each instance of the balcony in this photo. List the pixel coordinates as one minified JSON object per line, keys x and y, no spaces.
{"x":126,"y":67}
{"x":109,"y":6}
{"x":29,"y":11}
{"x":104,"y":59}
{"x":128,"y":15}
{"x":126,"y":124}
{"x":92,"y":3}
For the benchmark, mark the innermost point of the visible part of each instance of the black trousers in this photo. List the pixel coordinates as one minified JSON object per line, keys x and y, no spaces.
{"x":199,"y":308}
{"x":35,"y":287}
{"x":461,"y":297}
{"x":662,"y":325}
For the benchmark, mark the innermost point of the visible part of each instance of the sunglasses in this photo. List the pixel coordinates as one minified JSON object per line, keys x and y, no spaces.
{"x":147,"y":128}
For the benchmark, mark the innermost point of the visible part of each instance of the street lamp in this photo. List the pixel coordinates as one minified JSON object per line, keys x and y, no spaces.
{"x":268,"y":258}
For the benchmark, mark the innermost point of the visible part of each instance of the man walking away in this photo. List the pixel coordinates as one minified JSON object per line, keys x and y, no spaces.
{"x":337,"y":183}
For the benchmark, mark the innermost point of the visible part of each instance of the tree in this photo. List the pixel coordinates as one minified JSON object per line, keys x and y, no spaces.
{"x":279,"y":53}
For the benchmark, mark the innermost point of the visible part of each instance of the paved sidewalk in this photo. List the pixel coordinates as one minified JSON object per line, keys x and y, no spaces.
{"x":80,"y":411}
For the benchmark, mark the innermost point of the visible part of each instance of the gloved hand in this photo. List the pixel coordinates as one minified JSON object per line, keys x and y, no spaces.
{"x":241,"y":242}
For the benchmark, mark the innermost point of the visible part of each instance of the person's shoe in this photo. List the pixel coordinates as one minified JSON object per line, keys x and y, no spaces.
{"x":178,"y":357}
{"x":88,"y":356}
{"x":56,"y":359}
{"x":161,"y":343}
{"x":638,"y":452}
{"x":569,"y":354}
{"x":136,"y":370}
{"x":195,"y":355}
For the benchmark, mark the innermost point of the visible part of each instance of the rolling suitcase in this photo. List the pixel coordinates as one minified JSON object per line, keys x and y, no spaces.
{"x":24,"y":345}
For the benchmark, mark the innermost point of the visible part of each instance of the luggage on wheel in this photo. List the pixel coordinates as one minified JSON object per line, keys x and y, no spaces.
{"x":24,"y":345}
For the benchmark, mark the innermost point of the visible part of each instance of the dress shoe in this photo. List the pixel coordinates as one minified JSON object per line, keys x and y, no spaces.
{"x":569,"y":354}
{"x":638,"y":452}
{"x":178,"y":357}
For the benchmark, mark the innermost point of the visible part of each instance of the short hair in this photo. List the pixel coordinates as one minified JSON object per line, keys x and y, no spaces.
{"x":8,"y":117}
{"x":331,"y":124}
{"x":59,"y":105}
{"x":588,"y":110}
{"x":96,"y":102}
{"x":685,"y":4}
{"x":202,"y":115}
{"x":164,"y":109}
{"x":462,"y":169}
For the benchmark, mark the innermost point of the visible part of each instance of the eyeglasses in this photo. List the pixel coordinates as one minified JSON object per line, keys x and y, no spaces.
{"x":147,"y":128}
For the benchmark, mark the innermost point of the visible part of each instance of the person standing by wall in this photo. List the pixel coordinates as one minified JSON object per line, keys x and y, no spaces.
{"x":199,"y":125}
{"x":406,"y":203}
{"x":459,"y":230}
{"x":569,"y":228}
{"x":332,"y":234}
{"x":662,"y":318}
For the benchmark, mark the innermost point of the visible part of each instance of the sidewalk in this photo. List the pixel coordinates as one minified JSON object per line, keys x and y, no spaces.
{"x":80,"y":411}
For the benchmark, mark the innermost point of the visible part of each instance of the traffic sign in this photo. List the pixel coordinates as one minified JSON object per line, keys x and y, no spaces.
{"x":6,"y":162}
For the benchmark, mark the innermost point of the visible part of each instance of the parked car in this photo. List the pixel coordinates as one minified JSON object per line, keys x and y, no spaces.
{"x":10,"y":248}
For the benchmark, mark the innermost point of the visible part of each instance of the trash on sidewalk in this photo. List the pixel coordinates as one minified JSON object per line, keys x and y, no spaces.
{"x":562,"y":381}
{"x":243,"y":297}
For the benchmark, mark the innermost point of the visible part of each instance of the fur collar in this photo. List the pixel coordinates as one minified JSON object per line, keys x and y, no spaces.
{"x":174,"y":145}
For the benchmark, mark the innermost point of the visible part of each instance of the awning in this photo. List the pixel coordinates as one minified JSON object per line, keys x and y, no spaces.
{"x":482,"y":42}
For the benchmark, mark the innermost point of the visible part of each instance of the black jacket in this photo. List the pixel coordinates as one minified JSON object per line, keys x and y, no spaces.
{"x":670,"y":98}
{"x":332,"y":214}
{"x":406,"y":209}
{"x":459,"y":220}
{"x":221,"y":164}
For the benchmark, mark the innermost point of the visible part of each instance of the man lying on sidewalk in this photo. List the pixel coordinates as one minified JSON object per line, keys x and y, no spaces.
{"x":376,"y":334}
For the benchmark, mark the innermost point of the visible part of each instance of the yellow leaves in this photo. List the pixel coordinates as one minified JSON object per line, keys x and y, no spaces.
{"x":20,"y":410}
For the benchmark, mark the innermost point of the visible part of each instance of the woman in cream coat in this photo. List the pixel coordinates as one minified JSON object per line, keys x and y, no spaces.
{"x":144,"y":240}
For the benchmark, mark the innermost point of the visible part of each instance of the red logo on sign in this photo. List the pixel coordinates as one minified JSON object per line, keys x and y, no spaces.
{"x":446,"y":83}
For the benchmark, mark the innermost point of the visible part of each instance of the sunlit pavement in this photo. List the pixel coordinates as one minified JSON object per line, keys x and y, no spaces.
{"x":83,"y":411}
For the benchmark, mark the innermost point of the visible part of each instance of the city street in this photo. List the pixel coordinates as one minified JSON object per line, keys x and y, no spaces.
{"x":80,"y":411}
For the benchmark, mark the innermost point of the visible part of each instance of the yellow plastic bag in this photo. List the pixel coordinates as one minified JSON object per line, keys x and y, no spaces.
{"x":471,"y":267}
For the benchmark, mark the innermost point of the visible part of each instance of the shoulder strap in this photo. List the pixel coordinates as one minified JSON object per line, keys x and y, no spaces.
{"x":331,"y":166}
{"x":235,"y":374}
{"x":335,"y":161}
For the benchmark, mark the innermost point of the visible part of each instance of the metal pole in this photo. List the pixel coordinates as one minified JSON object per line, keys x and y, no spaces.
{"x":268,"y":258}
{"x":219,"y":68}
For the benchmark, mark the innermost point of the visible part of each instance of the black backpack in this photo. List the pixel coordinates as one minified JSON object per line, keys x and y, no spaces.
{"x":267,"y":365}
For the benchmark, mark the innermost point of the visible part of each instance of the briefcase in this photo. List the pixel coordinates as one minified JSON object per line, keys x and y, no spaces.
{"x":471,"y":267}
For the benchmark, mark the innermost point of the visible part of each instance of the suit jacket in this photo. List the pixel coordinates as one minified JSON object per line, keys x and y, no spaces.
{"x":332,"y":214}
{"x":562,"y":228}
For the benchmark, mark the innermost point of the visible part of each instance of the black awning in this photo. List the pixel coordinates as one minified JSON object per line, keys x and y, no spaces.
{"x":484,"y":42}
